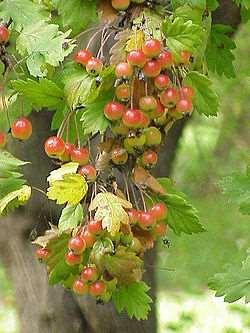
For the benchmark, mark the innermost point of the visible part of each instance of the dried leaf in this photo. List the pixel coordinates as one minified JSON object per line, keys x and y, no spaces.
{"x":50,"y":234}
{"x":103,"y":161}
{"x":145,"y":237}
{"x":118,"y":52}
{"x":106,"y":12}
{"x":110,"y":209}
{"x":143,"y":178}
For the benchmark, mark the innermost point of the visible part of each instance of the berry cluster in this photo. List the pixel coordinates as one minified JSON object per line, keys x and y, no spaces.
{"x":92,"y":64}
{"x":93,"y":277}
{"x":56,"y":148}
{"x":138,"y":123}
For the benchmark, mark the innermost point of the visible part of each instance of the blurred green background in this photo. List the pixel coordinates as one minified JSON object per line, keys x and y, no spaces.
{"x":209,"y":150}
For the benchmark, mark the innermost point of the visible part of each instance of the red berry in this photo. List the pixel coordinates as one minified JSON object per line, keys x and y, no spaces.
{"x":148,"y":103}
{"x":94,"y":66}
{"x":80,"y":288}
{"x":89,"y":273}
{"x":123,"y":70}
{"x":89,"y":238}
{"x":120,"y":4}
{"x":152,"y":68}
{"x":134,"y":216}
{"x":94,"y":226}
{"x":169,"y":97}
{"x":54,"y":146}
{"x":160,"y":229}
{"x":97,"y":288}
{"x":146,"y":220}
{"x":67,"y":152}
{"x":162,"y":81}
{"x":166,"y":59}
{"x":4,"y":34}
{"x":42,"y":253}
{"x":185,"y":57}
{"x":83,"y":56}
{"x":152,"y":48}
{"x":149,"y":158}
{"x":113,"y":111}
{"x":80,"y":155}
{"x":89,"y":172}
{"x":21,"y":129}
{"x":73,"y":259}
{"x":136,"y":58}
{"x":159,"y":211}
{"x":187,"y":92}
{"x":2,"y":140}
{"x":184,"y":105}
{"x":132,"y":118}
{"x":77,"y":244}
{"x":119,"y":156}
{"x":123,"y":92}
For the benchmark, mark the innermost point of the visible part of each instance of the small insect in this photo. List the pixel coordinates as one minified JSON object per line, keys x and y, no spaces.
{"x":166,"y":242}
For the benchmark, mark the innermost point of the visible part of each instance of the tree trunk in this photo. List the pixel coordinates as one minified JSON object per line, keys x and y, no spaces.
{"x":46,"y":309}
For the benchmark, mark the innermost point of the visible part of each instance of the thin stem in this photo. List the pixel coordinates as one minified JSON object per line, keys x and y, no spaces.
{"x":64,"y":123}
{"x":132,"y":93}
{"x":126,"y":186}
{"x":142,"y":198}
{"x":92,"y":38}
{"x":39,"y":190}
{"x":134,"y":195}
{"x":77,"y":132}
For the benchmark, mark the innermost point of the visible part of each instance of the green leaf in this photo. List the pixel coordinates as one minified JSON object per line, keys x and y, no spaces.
{"x":124,"y":265}
{"x":111,"y":210}
{"x":71,"y":216}
{"x":182,"y":216}
{"x":42,"y":93}
{"x":187,"y":13}
{"x":78,"y":88}
{"x":43,"y":44}
{"x":219,"y":54}
{"x":93,"y":118}
{"x":212,"y":4}
{"x":23,"y":12}
{"x":237,"y":188}
{"x":201,"y":4}
{"x":71,"y":189}
{"x":205,"y":100}
{"x":234,"y":284}
{"x":13,"y":192}
{"x":16,"y":198}
{"x":133,"y":298}
{"x":182,"y":35}
{"x":243,"y":3}
{"x":75,"y":14}
{"x":57,"y":245}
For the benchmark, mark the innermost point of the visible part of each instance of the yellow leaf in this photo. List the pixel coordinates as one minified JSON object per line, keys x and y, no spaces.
{"x":110,"y":209}
{"x":70,"y":189}
{"x":135,"y":41}
{"x":18,"y":197}
{"x":63,"y":170}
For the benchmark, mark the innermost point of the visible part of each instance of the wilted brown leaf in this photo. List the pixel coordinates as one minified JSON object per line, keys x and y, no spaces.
{"x":118,"y":52}
{"x":107,"y":12}
{"x":145,"y":238}
{"x":143,"y":178}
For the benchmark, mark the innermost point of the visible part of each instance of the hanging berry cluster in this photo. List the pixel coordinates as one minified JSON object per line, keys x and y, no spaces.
{"x":149,"y":97}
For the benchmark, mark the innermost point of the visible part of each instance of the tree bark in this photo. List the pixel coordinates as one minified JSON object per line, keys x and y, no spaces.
{"x":46,"y":309}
